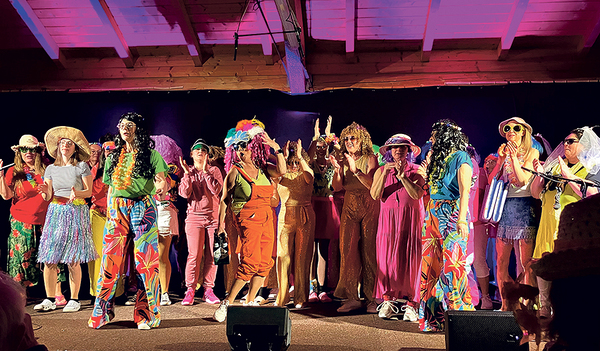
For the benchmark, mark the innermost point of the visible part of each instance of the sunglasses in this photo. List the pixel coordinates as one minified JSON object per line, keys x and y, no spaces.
{"x":350,"y":138}
{"x":294,"y":163}
{"x":66,"y":142}
{"x":28,"y":149}
{"x":570,"y":141}
{"x":399,"y":147}
{"x":517,"y":128}
{"x":240,"y":146}
{"x":128,"y":126}
{"x":322,"y":147}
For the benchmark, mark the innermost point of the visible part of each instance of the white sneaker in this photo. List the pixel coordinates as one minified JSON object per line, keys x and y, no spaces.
{"x":260,"y":300}
{"x":143,"y":326}
{"x":252,"y":303}
{"x":164,"y":299}
{"x":409,"y":313}
{"x":387,"y":309}
{"x":72,"y":306}
{"x":46,"y":305}
{"x":221,"y":312}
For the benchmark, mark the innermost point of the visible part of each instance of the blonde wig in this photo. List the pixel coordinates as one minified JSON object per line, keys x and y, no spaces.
{"x":366,"y":145}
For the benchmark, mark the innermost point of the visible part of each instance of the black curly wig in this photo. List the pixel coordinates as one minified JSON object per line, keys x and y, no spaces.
{"x":141,"y":142}
{"x":448,"y":139}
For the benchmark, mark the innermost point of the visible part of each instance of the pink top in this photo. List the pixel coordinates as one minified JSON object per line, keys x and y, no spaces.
{"x":202,"y":190}
{"x":394,"y":195}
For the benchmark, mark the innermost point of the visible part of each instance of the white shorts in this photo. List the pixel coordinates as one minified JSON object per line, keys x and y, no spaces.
{"x":166,"y":219}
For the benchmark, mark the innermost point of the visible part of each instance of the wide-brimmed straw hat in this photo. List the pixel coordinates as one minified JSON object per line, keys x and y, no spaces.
{"x":54,"y":135}
{"x":577,"y":245}
{"x":397,"y":140}
{"x":518,"y":120}
{"x":29,"y":141}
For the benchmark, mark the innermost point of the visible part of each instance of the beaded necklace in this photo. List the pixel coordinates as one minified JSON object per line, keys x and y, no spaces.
{"x":121,"y":177}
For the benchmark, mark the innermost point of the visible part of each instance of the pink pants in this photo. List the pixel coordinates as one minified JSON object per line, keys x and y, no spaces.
{"x":199,"y":230}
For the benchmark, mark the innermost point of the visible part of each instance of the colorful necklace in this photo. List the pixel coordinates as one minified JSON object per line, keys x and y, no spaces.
{"x":121,"y":177}
{"x":30,"y":175}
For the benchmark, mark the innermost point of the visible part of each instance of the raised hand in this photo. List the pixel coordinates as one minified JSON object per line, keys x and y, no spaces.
{"x":401,"y":167}
{"x":184,"y":165}
{"x":317,"y":130}
{"x":537,"y":166}
{"x":270,"y":142}
{"x":351,"y":163}
{"x":335,"y":163}
{"x":501,"y":150}
{"x":286,"y":149}
{"x":328,"y":127}
{"x":299,"y":149}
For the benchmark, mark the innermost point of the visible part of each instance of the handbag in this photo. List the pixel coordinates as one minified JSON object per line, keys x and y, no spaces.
{"x":221,"y":249}
{"x":494,"y":200}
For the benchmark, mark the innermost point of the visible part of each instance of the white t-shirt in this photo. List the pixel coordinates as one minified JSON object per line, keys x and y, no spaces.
{"x":65,"y":177}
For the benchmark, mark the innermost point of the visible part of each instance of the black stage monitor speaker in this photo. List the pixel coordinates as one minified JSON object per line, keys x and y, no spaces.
{"x":259,"y":328}
{"x":483,"y":330}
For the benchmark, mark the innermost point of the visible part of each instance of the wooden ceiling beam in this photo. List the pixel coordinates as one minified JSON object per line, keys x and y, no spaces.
{"x":429,"y":34}
{"x":39,"y":31}
{"x":587,"y":42}
{"x":350,"y":28}
{"x":109,"y":22}
{"x":514,"y":20}
{"x":191,"y":38}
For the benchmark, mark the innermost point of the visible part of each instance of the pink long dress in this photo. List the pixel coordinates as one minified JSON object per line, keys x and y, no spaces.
{"x":399,"y":239}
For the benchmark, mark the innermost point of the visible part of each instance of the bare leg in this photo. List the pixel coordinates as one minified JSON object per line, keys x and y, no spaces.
{"x":526,"y":248}
{"x":75,"y":280}
{"x":50,"y":278}
{"x":237,"y":286}
{"x":255,"y":283}
{"x":503,"y":250}
{"x":322,"y":250}
{"x":164,"y":265}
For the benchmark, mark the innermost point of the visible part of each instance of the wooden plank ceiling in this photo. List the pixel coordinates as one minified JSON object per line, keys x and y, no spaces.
{"x":97,"y":45}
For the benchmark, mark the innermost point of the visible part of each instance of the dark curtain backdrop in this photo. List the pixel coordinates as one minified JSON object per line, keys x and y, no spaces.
{"x":552,"y":109}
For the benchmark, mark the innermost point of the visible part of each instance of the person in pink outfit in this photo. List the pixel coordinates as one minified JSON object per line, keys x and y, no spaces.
{"x":400,"y":189}
{"x":201,"y":185}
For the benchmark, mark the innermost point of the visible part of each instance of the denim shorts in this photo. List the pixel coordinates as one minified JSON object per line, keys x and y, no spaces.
{"x":519,"y":220}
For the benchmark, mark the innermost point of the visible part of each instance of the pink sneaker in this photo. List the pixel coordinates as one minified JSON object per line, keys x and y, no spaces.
{"x":324,"y":297}
{"x":210,"y":297}
{"x":312,"y":298}
{"x":188,"y":300}
{"x":60,"y":300}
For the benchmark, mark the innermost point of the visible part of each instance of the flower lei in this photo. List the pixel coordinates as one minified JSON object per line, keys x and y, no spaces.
{"x":121,"y":177}
{"x":331,"y":138}
{"x":508,"y":168}
{"x":30,"y":176}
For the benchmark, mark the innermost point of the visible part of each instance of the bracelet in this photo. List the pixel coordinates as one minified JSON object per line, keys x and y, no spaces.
{"x":357,"y":173}
{"x":461,"y":221}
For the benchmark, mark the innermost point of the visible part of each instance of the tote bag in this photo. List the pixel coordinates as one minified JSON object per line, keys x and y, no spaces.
{"x":493,"y":201}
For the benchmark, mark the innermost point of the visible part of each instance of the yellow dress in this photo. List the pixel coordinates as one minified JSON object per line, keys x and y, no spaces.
{"x":358,"y":234}
{"x":546,"y":234}
{"x":296,"y":236}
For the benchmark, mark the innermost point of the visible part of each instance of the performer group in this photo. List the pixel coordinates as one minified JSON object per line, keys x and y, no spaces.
{"x":395,"y":231}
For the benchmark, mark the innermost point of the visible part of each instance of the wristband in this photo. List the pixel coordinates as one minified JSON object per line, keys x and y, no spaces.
{"x":278,"y":151}
{"x":461,"y":221}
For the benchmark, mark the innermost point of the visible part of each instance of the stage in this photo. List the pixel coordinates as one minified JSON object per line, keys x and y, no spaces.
{"x":183,"y":328}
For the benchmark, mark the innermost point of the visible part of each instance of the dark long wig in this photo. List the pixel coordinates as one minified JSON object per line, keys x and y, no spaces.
{"x":141,"y":142}
{"x":448,"y":139}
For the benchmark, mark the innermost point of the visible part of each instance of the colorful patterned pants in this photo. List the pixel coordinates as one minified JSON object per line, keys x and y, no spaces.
{"x":444,"y":283}
{"x":22,"y":252}
{"x":129,"y":222}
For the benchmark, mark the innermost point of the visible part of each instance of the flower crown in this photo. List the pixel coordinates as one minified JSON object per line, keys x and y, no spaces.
{"x":244,"y":131}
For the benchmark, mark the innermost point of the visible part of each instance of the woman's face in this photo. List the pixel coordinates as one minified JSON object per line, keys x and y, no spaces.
{"x":95,"y":153}
{"x":28,"y":155}
{"x":293,"y":165}
{"x":352,"y":143}
{"x":127,"y":130}
{"x":199,"y":155}
{"x":489,"y":164}
{"x":514,"y":132}
{"x":399,"y":152}
{"x":66,"y":147}
{"x":321,"y":149}
{"x":572,"y":148}
{"x":243,"y":151}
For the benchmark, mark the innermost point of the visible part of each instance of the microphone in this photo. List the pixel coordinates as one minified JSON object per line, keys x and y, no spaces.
{"x":7,"y":166}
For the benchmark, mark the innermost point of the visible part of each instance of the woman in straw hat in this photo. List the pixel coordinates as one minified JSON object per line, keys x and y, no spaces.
{"x":67,"y":234}
{"x":134,"y":172}
{"x":519,"y":222}
{"x":400,"y":189}
{"x":28,"y":209}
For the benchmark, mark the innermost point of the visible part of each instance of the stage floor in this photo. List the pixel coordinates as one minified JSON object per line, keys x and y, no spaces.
{"x":316,"y":328}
